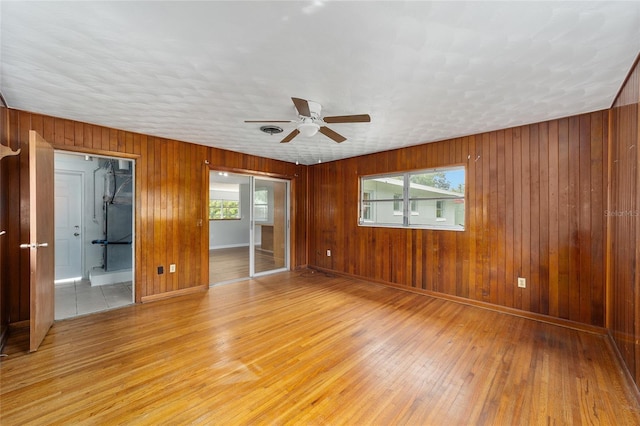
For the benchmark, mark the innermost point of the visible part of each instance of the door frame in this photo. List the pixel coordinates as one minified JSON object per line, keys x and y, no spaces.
{"x":252,"y":174}
{"x":114,"y":156}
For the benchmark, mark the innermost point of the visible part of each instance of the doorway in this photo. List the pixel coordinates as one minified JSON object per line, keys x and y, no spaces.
{"x":248,"y":226}
{"x":94,"y":230}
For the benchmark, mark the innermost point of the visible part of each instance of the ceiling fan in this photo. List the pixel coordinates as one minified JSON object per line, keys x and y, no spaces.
{"x":310,"y":121}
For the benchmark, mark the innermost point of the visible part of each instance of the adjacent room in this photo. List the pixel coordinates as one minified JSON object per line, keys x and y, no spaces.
{"x":319,"y":212}
{"x":93,"y":215}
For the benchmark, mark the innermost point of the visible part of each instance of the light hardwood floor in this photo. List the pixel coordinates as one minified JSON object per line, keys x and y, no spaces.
{"x":233,"y":263}
{"x":305,"y":348}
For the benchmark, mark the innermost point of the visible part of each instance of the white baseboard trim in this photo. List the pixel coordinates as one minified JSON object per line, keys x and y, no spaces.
{"x":105,"y":278}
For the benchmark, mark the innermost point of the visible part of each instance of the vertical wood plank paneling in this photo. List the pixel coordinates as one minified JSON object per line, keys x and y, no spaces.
{"x":13,"y":238}
{"x":623,"y":211}
{"x":69,"y":133}
{"x":24,"y":125}
{"x":485,"y":243}
{"x":4,"y":215}
{"x":564,"y":211}
{"x":170,"y":202}
{"x":162,"y":226}
{"x":501,"y":208}
{"x":517,"y":205}
{"x":544,"y":220}
{"x":525,"y":233}
{"x":527,"y":189}
{"x":492,"y":224}
{"x":509,"y":219}
{"x":574,"y":218}
{"x":599,"y":137}
{"x":471,"y":222}
{"x":554,"y":219}
{"x":534,"y":227}
{"x":58,"y":131}
{"x":585,"y":216}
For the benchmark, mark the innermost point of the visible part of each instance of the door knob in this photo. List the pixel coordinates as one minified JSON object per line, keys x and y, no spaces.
{"x":75,"y":234}
{"x":34,"y":245}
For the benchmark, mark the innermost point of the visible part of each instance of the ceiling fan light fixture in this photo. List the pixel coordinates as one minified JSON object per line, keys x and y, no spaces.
{"x":308,"y":128}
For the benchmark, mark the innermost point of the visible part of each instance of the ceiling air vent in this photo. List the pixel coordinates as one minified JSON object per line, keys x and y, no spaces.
{"x":271,"y":129}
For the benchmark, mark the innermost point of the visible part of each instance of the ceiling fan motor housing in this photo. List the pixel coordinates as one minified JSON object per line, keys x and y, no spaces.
{"x":315,"y":109}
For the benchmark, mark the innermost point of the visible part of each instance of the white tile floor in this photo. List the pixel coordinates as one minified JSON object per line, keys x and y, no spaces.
{"x":79,"y":298}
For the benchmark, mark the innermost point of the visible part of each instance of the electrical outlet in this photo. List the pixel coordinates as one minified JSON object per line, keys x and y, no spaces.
{"x":328,"y":253}
{"x":522,"y":282}
{"x":172,"y":267}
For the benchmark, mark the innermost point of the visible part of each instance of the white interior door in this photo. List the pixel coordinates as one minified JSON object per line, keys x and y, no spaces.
{"x":68,"y":225}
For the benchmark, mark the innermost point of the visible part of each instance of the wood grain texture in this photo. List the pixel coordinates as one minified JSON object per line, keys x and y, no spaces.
{"x":535,"y":209}
{"x":5,"y":164}
{"x":171,"y":191}
{"x":227,"y":264}
{"x":302,"y":348}
{"x":42,"y":263}
{"x":624,"y":230}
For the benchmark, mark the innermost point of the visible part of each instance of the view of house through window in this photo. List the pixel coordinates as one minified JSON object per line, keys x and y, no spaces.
{"x":419,"y":199}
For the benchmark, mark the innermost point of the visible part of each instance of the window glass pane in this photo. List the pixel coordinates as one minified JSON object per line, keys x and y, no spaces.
{"x":365,"y":209}
{"x":449,"y":215}
{"x":434,"y":199}
{"x":383,"y":188}
{"x":383,"y":212}
{"x":260,"y":213}
{"x":261,"y":205}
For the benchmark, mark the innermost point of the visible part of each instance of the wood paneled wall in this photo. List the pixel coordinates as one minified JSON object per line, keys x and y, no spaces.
{"x":171,"y":193}
{"x":5,"y":165}
{"x":623,"y":319}
{"x":535,"y":205}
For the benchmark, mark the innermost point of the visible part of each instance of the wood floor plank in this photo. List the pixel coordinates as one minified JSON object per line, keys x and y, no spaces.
{"x":227,"y":264}
{"x":306,"y":348}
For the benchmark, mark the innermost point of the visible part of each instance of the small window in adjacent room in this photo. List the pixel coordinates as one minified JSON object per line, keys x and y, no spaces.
{"x":224,"y":201}
{"x":432,"y":199}
{"x":261,"y":205}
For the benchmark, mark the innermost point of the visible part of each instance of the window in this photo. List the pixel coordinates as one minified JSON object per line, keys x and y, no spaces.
{"x":261,"y":205}
{"x":432,"y":199}
{"x":224,"y":209}
{"x":440,"y":209}
{"x":224,"y":202}
{"x":397,"y":203}
{"x":366,"y":206}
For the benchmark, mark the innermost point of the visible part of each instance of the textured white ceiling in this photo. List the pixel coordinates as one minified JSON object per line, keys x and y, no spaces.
{"x":424,"y":71}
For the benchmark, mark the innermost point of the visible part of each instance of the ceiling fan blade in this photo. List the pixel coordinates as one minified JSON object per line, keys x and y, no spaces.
{"x":290,"y":136}
{"x":268,"y":121}
{"x":302,"y":106}
{"x":361,"y":118}
{"x":331,"y":134}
